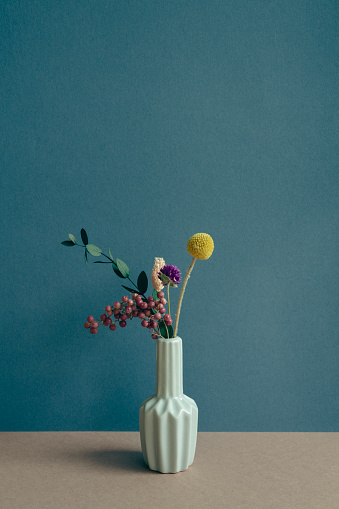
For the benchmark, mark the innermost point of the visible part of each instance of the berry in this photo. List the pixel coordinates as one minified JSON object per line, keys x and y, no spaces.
{"x":153,"y":324}
{"x":155,"y":336}
{"x":135,"y":296}
{"x":163,"y":301}
{"x":90,"y":318}
{"x":157,"y":316}
{"x":157,"y":302}
{"x":147,"y":312}
{"x":143,"y":305}
{"x":123,"y":317}
{"x":109,"y":313}
{"x":87,"y":325}
{"x":141,"y":314}
{"x":122,"y":323}
{"x":151,"y":304}
{"x":93,"y":330}
{"x":130,"y":302}
{"x":117,"y":305}
{"x":150,"y":298}
{"x":144,"y":323}
{"x":124,"y":299}
{"x":166,"y":317}
{"x":113,"y":326}
{"x":109,"y":309}
{"x":162,"y":310}
{"x":160,"y":295}
{"x":135,"y":313}
{"x":134,"y":307}
{"x":128,"y":309}
{"x":103,"y":317}
{"x":95,"y":324}
{"x":108,"y":321}
{"x":169,"y":321}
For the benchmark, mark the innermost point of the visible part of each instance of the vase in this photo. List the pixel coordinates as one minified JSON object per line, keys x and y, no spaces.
{"x":168,"y":419}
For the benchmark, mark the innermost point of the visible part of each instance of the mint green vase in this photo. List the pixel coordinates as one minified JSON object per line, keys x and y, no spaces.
{"x":168,"y":419}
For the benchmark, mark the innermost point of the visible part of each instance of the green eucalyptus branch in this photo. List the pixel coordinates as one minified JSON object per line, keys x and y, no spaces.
{"x":122,"y":272}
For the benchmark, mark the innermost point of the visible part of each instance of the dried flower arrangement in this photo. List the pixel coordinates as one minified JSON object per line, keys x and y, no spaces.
{"x":151,"y":309}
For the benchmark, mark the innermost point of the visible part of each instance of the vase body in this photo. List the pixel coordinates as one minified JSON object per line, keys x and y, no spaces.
{"x":168,"y":419}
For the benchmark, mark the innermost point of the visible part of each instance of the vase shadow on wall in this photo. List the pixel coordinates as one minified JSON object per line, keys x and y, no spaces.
{"x":129,"y":460}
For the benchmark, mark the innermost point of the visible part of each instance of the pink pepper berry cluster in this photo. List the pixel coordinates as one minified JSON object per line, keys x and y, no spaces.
{"x":135,"y":307}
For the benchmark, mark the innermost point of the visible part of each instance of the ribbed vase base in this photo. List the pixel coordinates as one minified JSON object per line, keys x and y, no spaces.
{"x":182,"y":469}
{"x":168,"y":433}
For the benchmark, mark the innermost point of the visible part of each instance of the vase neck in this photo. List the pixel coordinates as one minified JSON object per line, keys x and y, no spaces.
{"x":169,"y":367}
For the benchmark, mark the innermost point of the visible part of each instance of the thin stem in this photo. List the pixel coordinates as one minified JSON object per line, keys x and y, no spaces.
{"x":108,"y":257}
{"x":166,"y":329}
{"x":181,"y":296}
{"x":168,"y":300}
{"x":133,"y":283}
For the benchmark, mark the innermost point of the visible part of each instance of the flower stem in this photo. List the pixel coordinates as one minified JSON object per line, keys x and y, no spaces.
{"x":166,"y":329}
{"x":190,"y":268}
{"x":168,"y":299}
{"x":134,"y":284}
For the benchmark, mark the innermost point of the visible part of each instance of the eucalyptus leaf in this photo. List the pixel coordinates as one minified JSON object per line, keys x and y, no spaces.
{"x":86,"y":257}
{"x":155,"y":294}
{"x":142,"y":282}
{"x":71,"y":237}
{"x":93,"y":250}
{"x":84,"y":236}
{"x":163,"y":330}
{"x":109,"y":252}
{"x":67,"y":243}
{"x":117,"y":271}
{"x":122,"y":267}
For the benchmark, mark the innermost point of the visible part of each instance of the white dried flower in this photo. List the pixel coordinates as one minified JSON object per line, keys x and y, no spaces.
{"x":159,"y":263}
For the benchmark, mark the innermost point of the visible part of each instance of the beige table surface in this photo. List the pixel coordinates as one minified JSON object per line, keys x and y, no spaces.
{"x":231,"y":470}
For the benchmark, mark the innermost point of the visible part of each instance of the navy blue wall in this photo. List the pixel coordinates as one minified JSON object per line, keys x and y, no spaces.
{"x":146,"y":122}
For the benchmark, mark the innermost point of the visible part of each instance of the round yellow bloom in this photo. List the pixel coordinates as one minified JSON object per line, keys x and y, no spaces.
{"x":200,"y":246}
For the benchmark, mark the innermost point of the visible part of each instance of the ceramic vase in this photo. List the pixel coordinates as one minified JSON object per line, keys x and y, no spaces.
{"x":168,"y":419}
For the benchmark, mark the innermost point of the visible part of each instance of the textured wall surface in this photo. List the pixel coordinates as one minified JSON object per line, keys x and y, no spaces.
{"x":145,"y":122}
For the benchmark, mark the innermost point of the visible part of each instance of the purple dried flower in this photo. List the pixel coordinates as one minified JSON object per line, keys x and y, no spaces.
{"x":170,"y":274}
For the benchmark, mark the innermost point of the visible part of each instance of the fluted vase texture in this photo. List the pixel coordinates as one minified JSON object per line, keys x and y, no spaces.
{"x":168,"y":419}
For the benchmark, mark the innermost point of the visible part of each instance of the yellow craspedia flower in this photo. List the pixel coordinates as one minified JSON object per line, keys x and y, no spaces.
{"x":200,"y":246}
